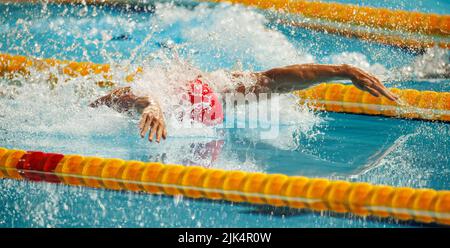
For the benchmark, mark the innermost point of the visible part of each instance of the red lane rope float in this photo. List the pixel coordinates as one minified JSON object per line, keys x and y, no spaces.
{"x":414,"y":104}
{"x":422,"y":205}
{"x":399,"y":20}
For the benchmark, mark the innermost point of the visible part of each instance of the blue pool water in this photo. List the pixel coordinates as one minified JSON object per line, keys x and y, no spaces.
{"x":210,"y":36}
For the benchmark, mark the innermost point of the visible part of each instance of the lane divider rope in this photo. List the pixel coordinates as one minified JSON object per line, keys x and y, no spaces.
{"x":385,"y":39}
{"x":413,"y":104}
{"x":318,"y":194}
{"x":399,"y":20}
{"x":380,"y":18}
{"x":11,"y":65}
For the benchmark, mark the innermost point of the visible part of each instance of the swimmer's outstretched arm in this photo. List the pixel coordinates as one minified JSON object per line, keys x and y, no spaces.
{"x":152,"y":118}
{"x":297,"y":77}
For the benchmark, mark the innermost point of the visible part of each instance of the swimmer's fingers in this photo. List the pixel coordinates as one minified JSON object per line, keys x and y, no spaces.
{"x":375,"y":88}
{"x":386,"y":93}
{"x":159,"y":133}
{"x":364,"y":87}
{"x":154,"y":126}
{"x":94,"y":104}
{"x":164,"y":135}
{"x":370,"y":83}
{"x":377,"y":85}
{"x":98,"y":101}
{"x":142,"y":121}
{"x":372,"y":91}
{"x":359,"y":86}
{"x":147,"y":121}
{"x":158,"y":129}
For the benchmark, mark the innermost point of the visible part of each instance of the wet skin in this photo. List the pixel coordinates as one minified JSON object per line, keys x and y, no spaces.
{"x":276,"y":80}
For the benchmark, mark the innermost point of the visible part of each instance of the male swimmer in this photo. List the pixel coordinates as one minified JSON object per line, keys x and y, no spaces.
{"x":276,"y":80}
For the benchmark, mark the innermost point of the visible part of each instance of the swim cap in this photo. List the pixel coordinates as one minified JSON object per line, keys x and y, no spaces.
{"x":207,"y":107}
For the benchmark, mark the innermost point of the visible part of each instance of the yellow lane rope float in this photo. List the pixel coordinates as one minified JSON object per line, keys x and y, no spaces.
{"x":402,"y":20}
{"x":399,"y":20}
{"x":362,"y":199}
{"x":413,"y":104}
{"x":11,"y":65}
{"x":427,"y":23}
{"x":352,"y":16}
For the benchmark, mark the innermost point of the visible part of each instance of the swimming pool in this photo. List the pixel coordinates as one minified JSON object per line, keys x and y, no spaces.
{"x":211,"y":36}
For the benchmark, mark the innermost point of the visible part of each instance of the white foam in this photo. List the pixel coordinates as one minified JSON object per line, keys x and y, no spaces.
{"x":434,"y":63}
{"x":221,"y":36}
{"x":231,"y":33}
{"x":359,"y":60}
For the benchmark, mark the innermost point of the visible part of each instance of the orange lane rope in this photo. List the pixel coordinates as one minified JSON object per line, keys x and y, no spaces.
{"x":427,"y":23}
{"x":400,"y":20}
{"x":11,"y":65}
{"x":422,"y":205}
{"x":394,"y":20}
{"x":414,"y":104}
{"x":392,"y":40}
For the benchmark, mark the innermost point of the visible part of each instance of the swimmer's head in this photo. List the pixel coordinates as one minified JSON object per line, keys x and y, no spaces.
{"x":206,"y":105}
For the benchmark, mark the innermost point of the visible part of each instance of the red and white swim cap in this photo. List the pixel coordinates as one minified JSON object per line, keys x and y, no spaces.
{"x":207,"y":108}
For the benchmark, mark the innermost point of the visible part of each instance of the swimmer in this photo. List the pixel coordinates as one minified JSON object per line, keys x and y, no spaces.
{"x":276,"y":80}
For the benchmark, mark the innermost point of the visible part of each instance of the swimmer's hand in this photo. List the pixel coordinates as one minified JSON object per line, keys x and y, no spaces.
{"x":120,"y":99}
{"x":366,"y":82}
{"x":123,"y":100}
{"x":301,"y":76}
{"x":152,"y":121}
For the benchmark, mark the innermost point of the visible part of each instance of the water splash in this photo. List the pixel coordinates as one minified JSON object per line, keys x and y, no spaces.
{"x":201,"y":38}
{"x":434,"y":63}
{"x":229,"y":34}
